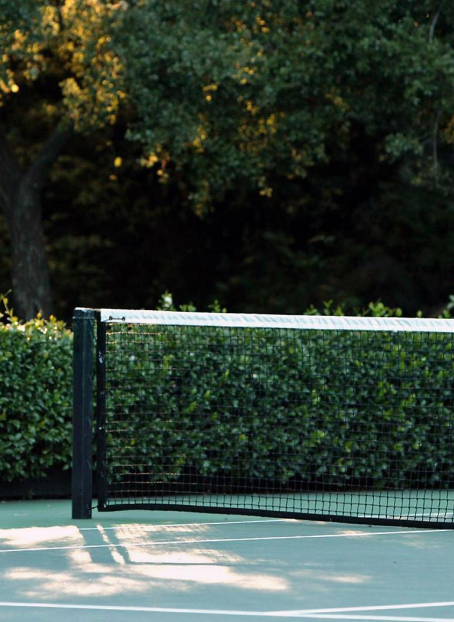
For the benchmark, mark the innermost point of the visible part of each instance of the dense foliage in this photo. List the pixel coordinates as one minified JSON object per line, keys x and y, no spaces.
{"x":314,"y":137}
{"x":333,"y":409}
{"x":271,"y":155}
{"x":35,"y":403}
{"x":35,"y":396}
{"x":270,"y":89}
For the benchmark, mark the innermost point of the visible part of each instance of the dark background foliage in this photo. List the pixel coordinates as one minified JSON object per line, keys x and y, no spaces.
{"x":117,"y":237}
{"x":323,"y":170}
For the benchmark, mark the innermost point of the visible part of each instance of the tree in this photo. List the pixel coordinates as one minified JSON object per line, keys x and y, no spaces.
{"x":54,"y":55}
{"x":245,"y":91}
{"x":223,"y":96}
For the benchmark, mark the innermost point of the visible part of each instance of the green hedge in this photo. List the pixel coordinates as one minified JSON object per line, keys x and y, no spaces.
{"x":311,"y":410}
{"x":35,"y":396}
{"x":163,"y":391}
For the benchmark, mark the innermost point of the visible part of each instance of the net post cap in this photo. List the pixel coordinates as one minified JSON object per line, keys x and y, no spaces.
{"x":85,"y":313}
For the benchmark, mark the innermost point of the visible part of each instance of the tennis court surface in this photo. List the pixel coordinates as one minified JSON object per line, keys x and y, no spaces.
{"x":249,"y":424}
{"x":145,"y":565}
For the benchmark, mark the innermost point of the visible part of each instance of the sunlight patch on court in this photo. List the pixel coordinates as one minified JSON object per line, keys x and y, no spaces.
{"x":18,"y":538}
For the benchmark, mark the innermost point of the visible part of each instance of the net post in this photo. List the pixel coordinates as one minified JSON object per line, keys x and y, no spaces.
{"x":101,"y":414}
{"x":83,"y":367}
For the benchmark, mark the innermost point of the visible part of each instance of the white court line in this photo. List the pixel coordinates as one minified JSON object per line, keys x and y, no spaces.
{"x":143,"y":609}
{"x":222,"y":540}
{"x":304,"y":613}
{"x":165,"y":526}
{"x":339,"y":610}
{"x":337,"y":616}
{"x":253,"y":522}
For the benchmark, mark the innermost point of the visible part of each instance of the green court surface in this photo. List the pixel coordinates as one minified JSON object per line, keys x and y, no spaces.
{"x":152,"y":566}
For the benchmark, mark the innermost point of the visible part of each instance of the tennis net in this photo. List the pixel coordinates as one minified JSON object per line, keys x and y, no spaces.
{"x":324,"y":418}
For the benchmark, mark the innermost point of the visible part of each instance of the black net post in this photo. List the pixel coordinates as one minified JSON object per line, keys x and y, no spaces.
{"x":101,"y":414}
{"x":82,"y":468}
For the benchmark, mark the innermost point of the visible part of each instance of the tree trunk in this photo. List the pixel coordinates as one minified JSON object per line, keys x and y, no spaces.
{"x":20,"y":200}
{"x":30,"y":271}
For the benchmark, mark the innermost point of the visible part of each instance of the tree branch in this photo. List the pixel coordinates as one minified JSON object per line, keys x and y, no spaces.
{"x":48,"y":153}
{"x":58,"y":4}
{"x":9,"y":173}
{"x":433,"y":25}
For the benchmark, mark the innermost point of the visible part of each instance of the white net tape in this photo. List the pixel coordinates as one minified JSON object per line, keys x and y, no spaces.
{"x":298,"y":322}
